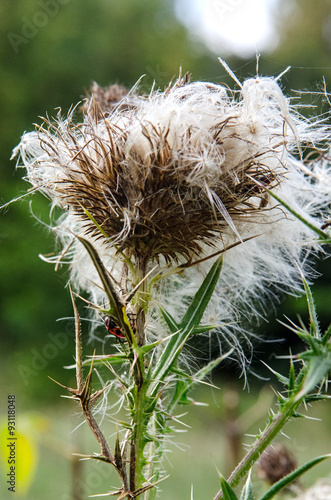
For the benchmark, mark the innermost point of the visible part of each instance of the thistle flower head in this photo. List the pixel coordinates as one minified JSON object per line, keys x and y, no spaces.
{"x":179,"y":175}
{"x":166,"y":174}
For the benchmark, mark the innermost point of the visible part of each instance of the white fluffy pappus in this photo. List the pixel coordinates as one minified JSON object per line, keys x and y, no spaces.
{"x":174,"y":177}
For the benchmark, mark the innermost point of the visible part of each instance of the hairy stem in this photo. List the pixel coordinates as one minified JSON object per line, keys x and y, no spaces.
{"x":141,"y":299}
{"x":137,"y":459}
{"x":138,"y":440}
{"x":261,"y":444}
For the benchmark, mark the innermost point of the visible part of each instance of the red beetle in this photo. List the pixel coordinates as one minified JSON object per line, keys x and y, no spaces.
{"x":114,"y":329}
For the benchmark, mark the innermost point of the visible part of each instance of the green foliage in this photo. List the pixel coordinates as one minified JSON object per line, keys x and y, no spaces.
{"x":182,"y":331}
{"x":156,"y":384}
{"x":303,"y":386}
{"x":151,"y":390}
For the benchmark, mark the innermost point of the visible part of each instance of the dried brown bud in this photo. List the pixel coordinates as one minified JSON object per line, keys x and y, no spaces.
{"x":102,"y":100}
{"x":275,"y":463}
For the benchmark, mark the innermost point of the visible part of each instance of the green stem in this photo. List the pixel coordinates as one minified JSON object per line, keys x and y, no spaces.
{"x":140,"y":419}
{"x":139,"y":441}
{"x":154,"y":458}
{"x":140,"y":300}
{"x":261,"y":444}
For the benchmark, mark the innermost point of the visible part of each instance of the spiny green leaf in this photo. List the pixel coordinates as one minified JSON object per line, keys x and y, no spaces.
{"x":316,"y":397}
{"x":205,"y":370}
{"x":149,"y":347}
{"x":187,"y":382}
{"x":169,"y":356}
{"x":313,"y":342}
{"x":301,"y":375}
{"x":277,"y":487}
{"x":228,"y":492}
{"x":174,"y":326}
{"x":327,"y":335}
{"x":319,"y":367}
{"x":314,"y":326}
{"x":202,"y":329}
{"x":180,"y":396}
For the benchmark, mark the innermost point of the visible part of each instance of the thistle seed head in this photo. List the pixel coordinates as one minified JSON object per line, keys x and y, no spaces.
{"x":179,"y":175}
{"x":168,"y":174}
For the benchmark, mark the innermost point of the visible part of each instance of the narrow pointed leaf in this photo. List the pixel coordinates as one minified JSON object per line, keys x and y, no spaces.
{"x":284,"y":380}
{"x":118,"y":311}
{"x":277,"y":487}
{"x":228,"y":493}
{"x":314,"y":327}
{"x":323,"y":235}
{"x":326,"y":335}
{"x":189,"y":381}
{"x":203,"y":329}
{"x":172,"y":325}
{"x":190,"y":320}
{"x":149,"y":347}
{"x":114,"y":302}
{"x":169,"y":356}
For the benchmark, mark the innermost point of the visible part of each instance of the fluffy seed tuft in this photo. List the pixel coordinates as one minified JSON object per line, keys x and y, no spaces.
{"x":176,"y":176}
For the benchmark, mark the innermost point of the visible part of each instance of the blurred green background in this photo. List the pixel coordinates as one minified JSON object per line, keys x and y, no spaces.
{"x":51,"y":51}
